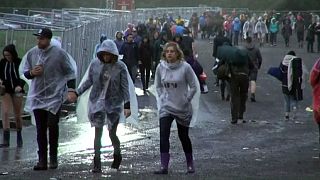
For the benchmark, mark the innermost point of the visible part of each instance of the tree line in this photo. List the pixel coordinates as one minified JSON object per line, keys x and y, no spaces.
{"x":251,"y":4}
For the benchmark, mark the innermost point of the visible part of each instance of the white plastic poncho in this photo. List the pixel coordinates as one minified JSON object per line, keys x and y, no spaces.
{"x":50,"y":81}
{"x":159,"y":91}
{"x":103,"y":91}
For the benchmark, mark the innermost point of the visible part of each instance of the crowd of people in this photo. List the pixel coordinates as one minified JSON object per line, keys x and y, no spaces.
{"x":162,"y":49}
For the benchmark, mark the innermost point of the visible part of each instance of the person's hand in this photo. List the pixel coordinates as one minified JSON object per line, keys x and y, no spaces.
{"x":18,"y":89}
{"x":72,"y":97}
{"x":127,"y":112}
{"x":37,"y":70}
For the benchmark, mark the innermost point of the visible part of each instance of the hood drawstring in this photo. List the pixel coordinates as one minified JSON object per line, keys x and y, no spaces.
{"x":8,"y":70}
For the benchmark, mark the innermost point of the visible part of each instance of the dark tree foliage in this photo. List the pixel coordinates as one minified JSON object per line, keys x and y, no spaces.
{"x":251,"y":4}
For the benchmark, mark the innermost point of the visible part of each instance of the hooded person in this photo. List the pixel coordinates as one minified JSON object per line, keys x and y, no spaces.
{"x":293,"y":81}
{"x":106,"y":96}
{"x":261,"y":30}
{"x":102,"y":38}
{"x":273,"y":29}
{"x":236,"y":29}
{"x":248,"y":28}
{"x":119,"y":40}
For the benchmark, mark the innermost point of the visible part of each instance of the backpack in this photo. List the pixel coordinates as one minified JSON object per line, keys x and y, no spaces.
{"x":223,"y":72}
{"x":297,"y":73}
{"x":240,"y":57}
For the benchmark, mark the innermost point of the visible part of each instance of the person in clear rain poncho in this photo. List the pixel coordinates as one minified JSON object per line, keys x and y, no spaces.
{"x":110,"y":87}
{"x":52,"y":73}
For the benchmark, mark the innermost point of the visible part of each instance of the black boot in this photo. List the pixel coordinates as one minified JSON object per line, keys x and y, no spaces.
{"x":253,"y":97}
{"x":53,"y":162}
{"x":165,"y":157}
{"x":43,"y":162}
{"x":228,"y":98}
{"x":190,"y":166}
{"x":19,"y":138}
{"x":6,"y":139}
{"x":96,"y":164}
{"x":97,"y":151}
{"x":117,"y":158}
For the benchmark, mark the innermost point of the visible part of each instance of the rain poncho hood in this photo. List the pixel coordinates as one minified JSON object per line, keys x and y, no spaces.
{"x":117,"y":34}
{"x":103,"y":91}
{"x":108,"y":46}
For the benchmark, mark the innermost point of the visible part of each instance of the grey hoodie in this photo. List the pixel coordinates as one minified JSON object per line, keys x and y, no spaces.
{"x":176,"y":86}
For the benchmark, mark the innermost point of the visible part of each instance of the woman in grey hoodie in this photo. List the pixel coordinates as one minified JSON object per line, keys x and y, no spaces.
{"x":176,"y":86}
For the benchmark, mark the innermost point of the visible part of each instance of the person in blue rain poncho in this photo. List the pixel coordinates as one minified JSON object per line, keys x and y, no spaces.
{"x":106,"y":94}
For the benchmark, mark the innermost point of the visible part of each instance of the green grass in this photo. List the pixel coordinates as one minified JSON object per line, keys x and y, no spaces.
{"x":22,"y":39}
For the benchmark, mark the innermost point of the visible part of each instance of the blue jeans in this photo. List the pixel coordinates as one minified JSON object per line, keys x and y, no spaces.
{"x":289,"y":102}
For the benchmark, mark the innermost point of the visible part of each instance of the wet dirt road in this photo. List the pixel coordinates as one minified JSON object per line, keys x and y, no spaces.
{"x":267,"y":147}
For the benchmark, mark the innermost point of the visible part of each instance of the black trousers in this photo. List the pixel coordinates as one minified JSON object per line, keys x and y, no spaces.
{"x":46,"y":120}
{"x":223,"y":86}
{"x":273,"y":38}
{"x":112,"y":134}
{"x":154,"y":67}
{"x":145,"y":75}
{"x":310,"y":46}
{"x":239,"y":85}
{"x":183,"y":132}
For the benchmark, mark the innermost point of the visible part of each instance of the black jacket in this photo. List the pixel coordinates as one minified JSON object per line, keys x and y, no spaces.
{"x":9,"y":71}
{"x":219,"y":41}
{"x":130,"y":53}
{"x":145,"y":54}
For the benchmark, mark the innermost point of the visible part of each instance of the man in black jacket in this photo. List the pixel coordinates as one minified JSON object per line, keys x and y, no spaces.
{"x":130,"y":52}
{"x":239,"y":65}
{"x":219,"y":40}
